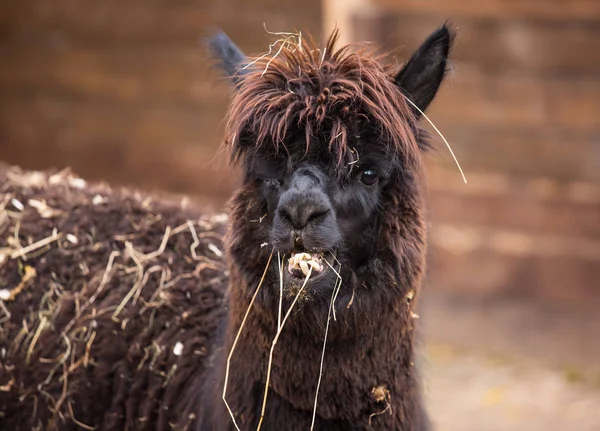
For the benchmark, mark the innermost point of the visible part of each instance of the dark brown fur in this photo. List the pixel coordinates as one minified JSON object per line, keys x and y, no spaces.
{"x":124,"y":378}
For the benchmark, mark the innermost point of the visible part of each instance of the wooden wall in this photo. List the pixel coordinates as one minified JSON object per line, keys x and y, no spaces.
{"x":123,"y":90}
{"x":521,"y":109}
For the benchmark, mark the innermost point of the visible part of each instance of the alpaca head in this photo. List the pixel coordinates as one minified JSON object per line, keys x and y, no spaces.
{"x":330,"y":152}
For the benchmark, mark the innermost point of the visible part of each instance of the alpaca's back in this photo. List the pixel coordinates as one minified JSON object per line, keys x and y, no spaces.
{"x":109,"y":303}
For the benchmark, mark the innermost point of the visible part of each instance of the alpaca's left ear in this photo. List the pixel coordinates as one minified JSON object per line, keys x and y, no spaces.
{"x":421,"y":77}
{"x":230,"y":58}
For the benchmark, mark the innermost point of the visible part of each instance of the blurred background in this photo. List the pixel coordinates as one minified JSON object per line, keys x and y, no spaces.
{"x":123,"y":92}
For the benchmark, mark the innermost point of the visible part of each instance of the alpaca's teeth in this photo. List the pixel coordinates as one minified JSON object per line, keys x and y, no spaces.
{"x":293,"y":262}
{"x":304,"y":267}
{"x":315,"y":266}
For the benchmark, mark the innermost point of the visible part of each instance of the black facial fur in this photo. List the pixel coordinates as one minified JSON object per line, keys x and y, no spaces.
{"x":309,"y":207}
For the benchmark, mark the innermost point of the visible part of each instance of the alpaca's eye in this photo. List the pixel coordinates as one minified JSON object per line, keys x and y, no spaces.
{"x":369,"y":177}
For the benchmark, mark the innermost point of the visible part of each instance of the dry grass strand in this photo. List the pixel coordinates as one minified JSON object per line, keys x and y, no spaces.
{"x":274,"y":343}
{"x":334,"y":294}
{"x":235,"y":341}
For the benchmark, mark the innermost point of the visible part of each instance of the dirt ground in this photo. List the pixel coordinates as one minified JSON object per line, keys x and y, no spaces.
{"x":469,"y":391}
{"x":505,"y":365}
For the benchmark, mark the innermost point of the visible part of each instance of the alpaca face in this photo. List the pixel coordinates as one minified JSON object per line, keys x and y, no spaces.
{"x":316,"y":217}
{"x":330,"y":146}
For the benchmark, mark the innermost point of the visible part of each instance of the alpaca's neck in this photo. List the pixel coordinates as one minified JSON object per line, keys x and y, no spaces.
{"x":361,"y":376}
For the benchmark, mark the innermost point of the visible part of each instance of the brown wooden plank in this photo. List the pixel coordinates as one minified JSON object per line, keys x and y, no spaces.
{"x":165,"y":147}
{"x":547,"y":48}
{"x":585,"y":10}
{"x":516,"y":210}
{"x":499,"y":274}
{"x":565,"y":155}
{"x":149,"y":22}
{"x":574,"y":102}
{"x":470,"y":95}
{"x":77,"y":125}
{"x":517,"y":99}
{"x":123,"y":75}
{"x":108,"y":19}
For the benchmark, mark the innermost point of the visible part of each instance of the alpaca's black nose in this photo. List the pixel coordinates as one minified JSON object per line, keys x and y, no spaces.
{"x":305,"y":200}
{"x":302,"y":210}
{"x":305,"y":216}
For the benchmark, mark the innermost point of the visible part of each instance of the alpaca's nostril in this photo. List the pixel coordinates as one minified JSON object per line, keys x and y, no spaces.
{"x":301,"y":214}
{"x":316,"y":215}
{"x":285,"y":215}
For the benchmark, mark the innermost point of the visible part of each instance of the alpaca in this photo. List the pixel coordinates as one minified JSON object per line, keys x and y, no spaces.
{"x":330,"y":151}
{"x":305,"y":321}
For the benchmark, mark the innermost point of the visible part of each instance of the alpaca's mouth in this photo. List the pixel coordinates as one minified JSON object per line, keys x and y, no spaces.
{"x":300,"y":264}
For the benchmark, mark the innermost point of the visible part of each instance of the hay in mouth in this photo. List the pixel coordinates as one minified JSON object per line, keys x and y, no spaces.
{"x":300,"y":263}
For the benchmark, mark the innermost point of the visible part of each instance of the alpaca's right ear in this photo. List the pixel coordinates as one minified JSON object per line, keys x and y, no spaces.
{"x":230,"y":58}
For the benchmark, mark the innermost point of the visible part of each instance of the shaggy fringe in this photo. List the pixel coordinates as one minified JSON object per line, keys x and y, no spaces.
{"x":331,"y":94}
